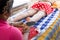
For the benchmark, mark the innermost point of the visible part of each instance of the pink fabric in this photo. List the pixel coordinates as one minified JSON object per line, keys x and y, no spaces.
{"x":8,"y":32}
{"x":43,"y":6}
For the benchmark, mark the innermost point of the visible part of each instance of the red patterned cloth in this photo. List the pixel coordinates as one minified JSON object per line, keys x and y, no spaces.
{"x":43,"y":6}
{"x":33,"y":32}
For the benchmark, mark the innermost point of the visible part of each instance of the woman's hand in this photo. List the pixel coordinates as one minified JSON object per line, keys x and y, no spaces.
{"x":21,"y":25}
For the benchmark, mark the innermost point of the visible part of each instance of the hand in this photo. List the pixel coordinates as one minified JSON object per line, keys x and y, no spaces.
{"x":28,"y":19}
{"x":16,"y":24}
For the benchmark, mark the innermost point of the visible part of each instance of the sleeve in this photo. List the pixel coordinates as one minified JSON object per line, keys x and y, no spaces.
{"x":36,"y":6}
{"x":16,"y":34}
{"x":48,"y":9}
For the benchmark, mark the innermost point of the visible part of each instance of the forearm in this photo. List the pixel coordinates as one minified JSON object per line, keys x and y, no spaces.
{"x":16,"y":24}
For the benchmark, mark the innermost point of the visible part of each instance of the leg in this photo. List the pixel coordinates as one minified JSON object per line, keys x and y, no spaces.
{"x":37,"y":16}
{"x":30,"y":12}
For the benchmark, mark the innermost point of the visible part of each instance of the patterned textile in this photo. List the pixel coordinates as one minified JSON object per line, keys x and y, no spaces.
{"x":43,"y":6}
{"x":43,"y":24}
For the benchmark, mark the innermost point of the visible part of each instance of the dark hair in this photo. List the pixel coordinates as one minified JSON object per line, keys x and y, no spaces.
{"x":5,"y":5}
